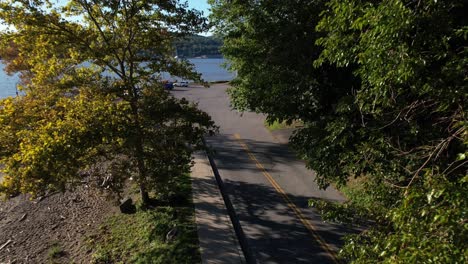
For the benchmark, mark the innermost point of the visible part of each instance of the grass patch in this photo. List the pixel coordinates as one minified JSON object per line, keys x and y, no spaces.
{"x":276,"y":125}
{"x":141,"y":237}
{"x":355,"y":190}
{"x":361,"y":208}
{"x":367,"y":193}
{"x":55,"y":251}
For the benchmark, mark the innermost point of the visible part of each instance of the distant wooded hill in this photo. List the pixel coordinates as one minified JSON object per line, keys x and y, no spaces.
{"x":199,"y":46}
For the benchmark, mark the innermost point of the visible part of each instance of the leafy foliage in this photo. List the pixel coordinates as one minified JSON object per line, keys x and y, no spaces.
{"x":409,"y":59}
{"x":94,"y":95}
{"x":270,"y":45}
{"x":381,"y":89}
{"x":46,"y":140}
{"x":429,"y":226}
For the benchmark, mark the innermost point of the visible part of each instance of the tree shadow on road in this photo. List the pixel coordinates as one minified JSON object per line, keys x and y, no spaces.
{"x":235,"y":157}
{"x":274,"y":232}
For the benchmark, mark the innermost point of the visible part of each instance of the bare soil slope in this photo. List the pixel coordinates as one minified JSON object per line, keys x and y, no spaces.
{"x":52,"y":229}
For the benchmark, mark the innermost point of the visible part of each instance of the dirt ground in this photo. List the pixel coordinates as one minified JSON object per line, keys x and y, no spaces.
{"x":52,"y":229}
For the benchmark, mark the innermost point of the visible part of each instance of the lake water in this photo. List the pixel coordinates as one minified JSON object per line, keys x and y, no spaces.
{"x":211,"y":70}
{"x":7,"y":83}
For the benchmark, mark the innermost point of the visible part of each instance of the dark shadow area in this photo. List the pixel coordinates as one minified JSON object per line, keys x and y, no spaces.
{"x":228,"y":148}
{"x":274,"y":232}
{"x":216,"y":239}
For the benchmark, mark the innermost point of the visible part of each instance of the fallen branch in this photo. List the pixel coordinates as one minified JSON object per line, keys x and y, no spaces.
{"x":22,"y":217}
{"x":439,"y":148}
{"x":6,"y":244}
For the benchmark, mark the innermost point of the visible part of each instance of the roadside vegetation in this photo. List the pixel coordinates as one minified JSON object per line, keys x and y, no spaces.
{"x":141,"y":237}
{"x":105,"y":123}
{"x":165,"y":232}
{"x":381,"y":88}
{"x":95,"y":113}
{"x":277,"y":125}
{"x":55,"y":252}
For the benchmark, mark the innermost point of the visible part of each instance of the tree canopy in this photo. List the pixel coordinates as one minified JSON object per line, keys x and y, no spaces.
{"x":94,"y":107}
{"x":381,"y":88}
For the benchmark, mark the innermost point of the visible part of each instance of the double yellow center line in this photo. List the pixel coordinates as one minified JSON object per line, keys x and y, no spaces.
{"x":297,"y":211}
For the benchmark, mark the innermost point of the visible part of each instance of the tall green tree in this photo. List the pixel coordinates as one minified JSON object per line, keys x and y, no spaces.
{"x":410,"y":58}
{"x":381,"y":89}
{"x":91,"y":74}
{"x":272,"y":48}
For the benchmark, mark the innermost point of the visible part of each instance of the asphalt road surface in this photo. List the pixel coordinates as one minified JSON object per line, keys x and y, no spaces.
{"x":268,"y":186}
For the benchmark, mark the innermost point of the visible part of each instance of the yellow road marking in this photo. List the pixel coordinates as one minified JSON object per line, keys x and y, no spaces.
{"x":297,"y":211}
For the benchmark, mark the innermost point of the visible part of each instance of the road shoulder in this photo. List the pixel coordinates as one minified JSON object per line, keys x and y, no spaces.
{"x":218,"y":243}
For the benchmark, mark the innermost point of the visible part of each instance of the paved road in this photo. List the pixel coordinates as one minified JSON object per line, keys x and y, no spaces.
{"x":268,"y":186}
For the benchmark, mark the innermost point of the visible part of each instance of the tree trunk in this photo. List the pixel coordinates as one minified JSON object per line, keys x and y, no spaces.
{"x":141,"y":170}
{"x":139,"y":154}
{"x":144,"y":194}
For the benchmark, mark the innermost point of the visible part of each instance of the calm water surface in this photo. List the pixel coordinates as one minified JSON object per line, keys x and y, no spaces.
{"x":211,"y":70}
{"x":7,"y":83}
